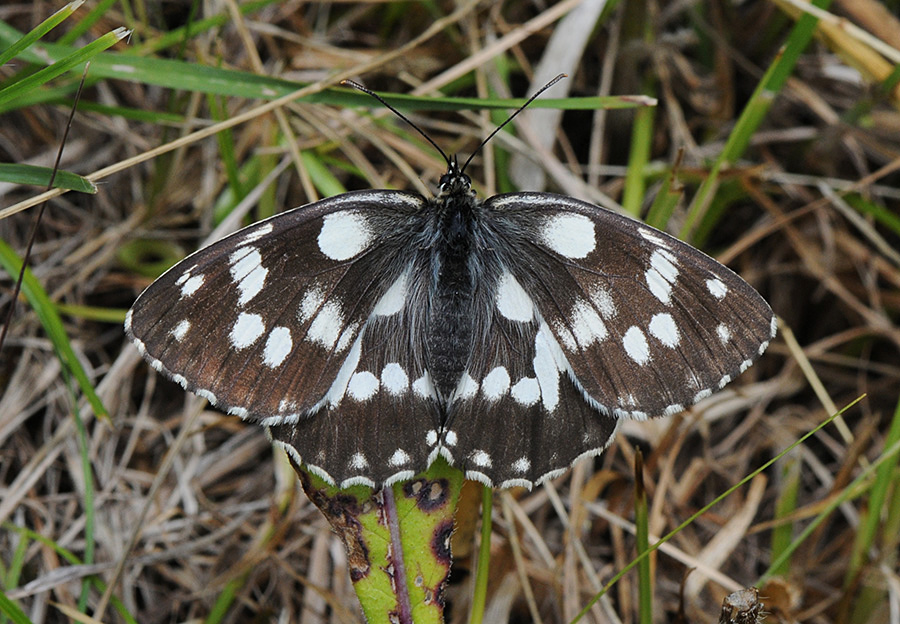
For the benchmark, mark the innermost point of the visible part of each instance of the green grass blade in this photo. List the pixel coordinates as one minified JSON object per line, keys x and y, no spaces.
{"x":40,"y":176}
{"x":642,"y":538}
{"x":73,"y":60}
{"x":704,"y":509}
{"x":482,"y":571}
{"x":756,"y":110}
{"x":11,"y":610}
{"x":867,"y":535}
{"x":854,"y":489}
{"x":52,"y":324}
{"x":785,"y":505}
{"x":96,"y":13}
{"x":38,"y":31}
{"x":666,"y":199}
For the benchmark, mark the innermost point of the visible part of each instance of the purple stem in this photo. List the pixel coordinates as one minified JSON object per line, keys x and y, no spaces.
{"x":404,"y":608}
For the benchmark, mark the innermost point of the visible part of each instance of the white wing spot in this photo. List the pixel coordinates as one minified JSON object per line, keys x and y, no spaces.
{"x":481,"y":459}
{"x":568,"y":339}
{"x":431,"y":437}
{"x":399,"y":458}
{"x":548,"y":359}
{"x":258,"y":233}
{"x":348,"y":367}
{"x":653,"y":237}
{"x":248,"y":273}
{"x":664,"y":329}
{"x":526,"y":392}
{"x":363,"y":386}
{"x":181,"y":330}
{"x":661,"y":275}
{"x":310,"y":304}
{"x":326,"y":326}
{"x":724,"y":381}
{"x":450,"y":438}
{"x":394,"y":379}
{"x":278,"y":345}
{"x":703,"y":394}
{"x":716,"y":288}
{"x":512,"y":300}
{"x":247,"y":330}
{"x":587,"y":325}
{"x":344,"y":235}
{"x":346,"y":336}
{"x":723,"y":333}
{"x":521,"y":465}
{"x":206,"y":394}
{"x":424,"y":387}
{"x":466,"y":388}
{"x":359,"y":462}
{"x":393,"y":299}
{"x":192,"y":285}
{"x":569,"y":234}
{"x":601,"y":298}
{"x":495,"y":384}
{"x":635,"y":343}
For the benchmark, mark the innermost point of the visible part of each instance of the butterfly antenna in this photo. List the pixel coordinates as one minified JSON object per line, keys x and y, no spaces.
{"x":511,"y":117}
{"x":359,"y":87}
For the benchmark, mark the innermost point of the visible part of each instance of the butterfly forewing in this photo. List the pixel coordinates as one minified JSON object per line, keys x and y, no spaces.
{"x":261,"y":322}
{"x":647,"y":324}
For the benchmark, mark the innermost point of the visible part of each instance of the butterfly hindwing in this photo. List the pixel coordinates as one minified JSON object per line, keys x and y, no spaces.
{"x":381,"y":422}
{"x":519,"y":417}
{"x":278,"y":306}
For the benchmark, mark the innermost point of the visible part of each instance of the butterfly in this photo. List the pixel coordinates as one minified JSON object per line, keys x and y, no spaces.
{"x":373,"y":331}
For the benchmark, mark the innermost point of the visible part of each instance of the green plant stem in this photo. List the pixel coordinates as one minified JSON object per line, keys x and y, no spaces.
{"x":642,"y":537}
{"x":479,"y":595}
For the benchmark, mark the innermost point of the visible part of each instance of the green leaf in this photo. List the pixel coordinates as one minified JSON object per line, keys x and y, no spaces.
{"x":397,"y":540}
{"x":75,"y":59}
{"x":12,"y":610}
{"x":38,"y":31}
{"x":40,"y":176}
{"x":190,"y":76}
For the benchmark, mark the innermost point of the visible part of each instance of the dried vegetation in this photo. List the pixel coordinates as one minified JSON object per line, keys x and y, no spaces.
{"x":172,"y":512}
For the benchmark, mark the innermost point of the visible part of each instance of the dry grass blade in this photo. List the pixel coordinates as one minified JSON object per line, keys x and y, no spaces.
{"x":175,"y":513}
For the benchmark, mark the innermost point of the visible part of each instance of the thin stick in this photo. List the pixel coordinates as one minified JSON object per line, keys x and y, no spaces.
{"x":40,"y":212}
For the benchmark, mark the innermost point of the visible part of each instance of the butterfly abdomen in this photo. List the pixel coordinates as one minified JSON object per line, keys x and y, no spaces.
{"x":451,"y":318}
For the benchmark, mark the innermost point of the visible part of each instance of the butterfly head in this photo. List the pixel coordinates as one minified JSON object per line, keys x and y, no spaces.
{"x":455,"y":182}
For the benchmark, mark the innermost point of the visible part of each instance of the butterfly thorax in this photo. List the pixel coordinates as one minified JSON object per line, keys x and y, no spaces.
{"x":449,"y":331}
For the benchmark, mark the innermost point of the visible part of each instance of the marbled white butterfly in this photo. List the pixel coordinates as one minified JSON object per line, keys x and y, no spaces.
{"x":372,"y":331}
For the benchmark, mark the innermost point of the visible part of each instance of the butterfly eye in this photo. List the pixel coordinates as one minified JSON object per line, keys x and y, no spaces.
{"x":455,"y":182}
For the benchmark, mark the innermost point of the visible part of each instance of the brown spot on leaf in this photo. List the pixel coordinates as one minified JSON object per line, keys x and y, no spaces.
{"x":342,"y":512}
{"x":429,"y":494}
{"x":440,"y":542}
